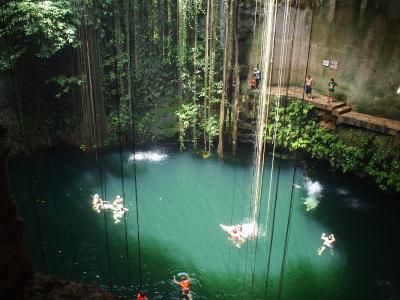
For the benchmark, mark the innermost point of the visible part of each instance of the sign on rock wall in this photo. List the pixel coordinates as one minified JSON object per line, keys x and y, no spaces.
{"x":331,"y":64}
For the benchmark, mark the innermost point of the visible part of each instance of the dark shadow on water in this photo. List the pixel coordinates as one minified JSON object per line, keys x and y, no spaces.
{"x":366,"y":225}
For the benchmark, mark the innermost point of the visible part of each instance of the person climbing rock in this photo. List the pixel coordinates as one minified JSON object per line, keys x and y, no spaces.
{"x":184,"y":283}
{"x":331,"y":87}
{"x":309,"y":83}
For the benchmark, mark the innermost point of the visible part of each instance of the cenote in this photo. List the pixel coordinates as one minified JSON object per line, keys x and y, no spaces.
{"x":182,"y":199}
{"x":250,"y":145}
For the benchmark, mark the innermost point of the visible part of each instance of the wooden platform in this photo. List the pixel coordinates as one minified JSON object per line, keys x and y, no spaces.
{"x":344,"y":112}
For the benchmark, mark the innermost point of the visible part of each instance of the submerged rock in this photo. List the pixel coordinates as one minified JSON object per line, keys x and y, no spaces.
{"x":49,"y":287}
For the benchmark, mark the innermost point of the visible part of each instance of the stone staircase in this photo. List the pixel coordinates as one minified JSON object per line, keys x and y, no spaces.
{"x":341,"y":110}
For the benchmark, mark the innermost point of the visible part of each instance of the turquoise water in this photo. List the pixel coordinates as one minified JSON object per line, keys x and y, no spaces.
{"x":182,"y":200}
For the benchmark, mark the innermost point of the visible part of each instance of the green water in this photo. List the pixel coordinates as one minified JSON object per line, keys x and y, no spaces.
{"x":182,"y":200}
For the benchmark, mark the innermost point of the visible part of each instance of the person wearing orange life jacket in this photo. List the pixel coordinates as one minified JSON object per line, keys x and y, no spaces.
{"x":184,"y":283}
{"x":141,"y":296}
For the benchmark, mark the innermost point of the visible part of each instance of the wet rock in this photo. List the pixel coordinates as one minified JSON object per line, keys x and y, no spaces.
{"x":49,"y":287}
{"x":15,"y":263}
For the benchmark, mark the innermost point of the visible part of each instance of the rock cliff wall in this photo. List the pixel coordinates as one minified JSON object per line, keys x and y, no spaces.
{"x":363,"y":36}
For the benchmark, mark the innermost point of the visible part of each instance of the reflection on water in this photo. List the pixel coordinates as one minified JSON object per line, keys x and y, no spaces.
{"x":148,"y":156}
{"x":181,"y":203}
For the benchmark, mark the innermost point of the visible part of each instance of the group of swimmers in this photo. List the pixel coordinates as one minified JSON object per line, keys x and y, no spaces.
{"x":117,"y":207}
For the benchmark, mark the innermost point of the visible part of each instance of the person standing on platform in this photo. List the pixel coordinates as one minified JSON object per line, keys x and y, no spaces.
{"x":309,"y":86}
{"x":331,"y":86}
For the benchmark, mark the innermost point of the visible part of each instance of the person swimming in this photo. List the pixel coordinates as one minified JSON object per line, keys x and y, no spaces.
{"x":119,"y":213}
{"x":184,"y":283}
{"x":239,"y":233}
{"x":236,"y":235}
{"x":97,"y":203}
{"x":328,"y":241}
{"x":117,"y":207}
{"x":311,"y":203}
{"x":118,"y":202}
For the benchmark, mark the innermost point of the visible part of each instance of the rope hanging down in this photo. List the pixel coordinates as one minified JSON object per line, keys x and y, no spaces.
{"x":268,"y":257}
{"x":287,"y":235}
{"x":132,"y":58}
{"x":118,"y":100}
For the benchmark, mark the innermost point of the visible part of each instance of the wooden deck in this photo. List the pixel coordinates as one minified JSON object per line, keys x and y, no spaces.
{"x":344,"y":113}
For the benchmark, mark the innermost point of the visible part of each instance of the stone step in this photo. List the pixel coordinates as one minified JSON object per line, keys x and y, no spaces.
{"x":341,"y":111}
{"x":338,"y":104}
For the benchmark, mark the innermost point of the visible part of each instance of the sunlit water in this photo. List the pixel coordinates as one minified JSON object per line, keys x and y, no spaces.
{"x":182,"y":200}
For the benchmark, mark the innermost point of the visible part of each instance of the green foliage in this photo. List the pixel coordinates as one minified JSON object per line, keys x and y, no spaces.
{"x":212,"y":127}
{"x":384,"y":167}
{"x":43,"y":27}
{"x":159,"y":124}
{"x":84,"y":147}
{"x":296,"y":128}
{"x":188,"y":118}
{"x":65,"y":84}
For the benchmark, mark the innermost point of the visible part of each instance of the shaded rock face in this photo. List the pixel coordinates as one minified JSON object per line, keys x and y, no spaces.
{"x":16,"y":278}
{"x":47,"y":287}
{"x":15,"y":264}
{"x":363,"y":36}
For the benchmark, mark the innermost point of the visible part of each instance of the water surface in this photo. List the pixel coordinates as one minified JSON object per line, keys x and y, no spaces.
{"x":182,"y":199}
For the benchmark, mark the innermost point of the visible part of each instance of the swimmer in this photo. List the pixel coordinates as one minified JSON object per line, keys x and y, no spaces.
{"x":97,"y":203}
{"x":328,"y":241}
{"x":108,"y":205}
{"x":141,"y":296}
{"x":118,"y":202}
{"x":311,"y":203}
{"x":184,"y":283}
{"x":236,"y":234}
{"x":118,"y":214}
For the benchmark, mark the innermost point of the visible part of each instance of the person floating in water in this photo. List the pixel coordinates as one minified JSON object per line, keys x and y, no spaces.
{"x":311,"y":203}
{"x":257,"y":76}
{"x":236,"y":235}
{"x":119,"y":213}
{"x":118,"y":202}
{"x":141,"y":296}
{"x":328,"y":241}
{"x":241,"y":232}
{"x":117,"y":207}
{"x":308,"y":86}
{"x":331,"y":87}
{"x":97,"y":203}
{"x":184,"y":283}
